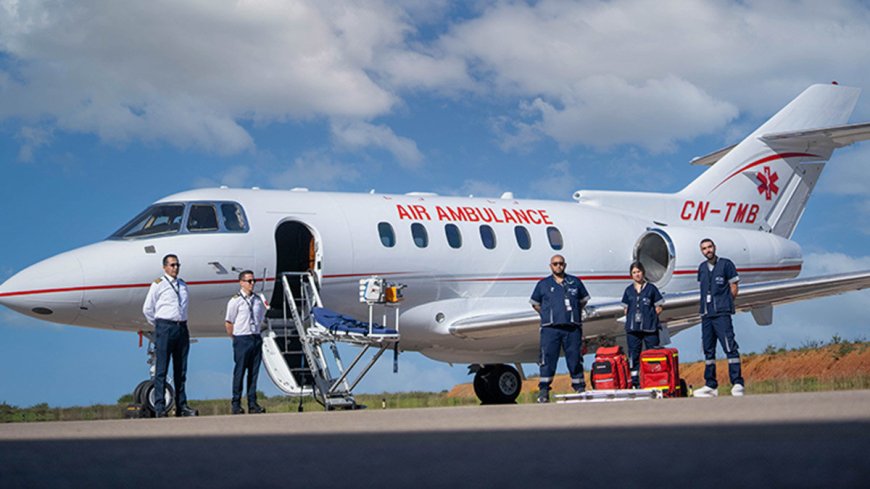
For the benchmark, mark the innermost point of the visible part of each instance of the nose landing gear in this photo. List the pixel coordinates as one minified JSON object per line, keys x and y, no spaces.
{"x":144,"y":394}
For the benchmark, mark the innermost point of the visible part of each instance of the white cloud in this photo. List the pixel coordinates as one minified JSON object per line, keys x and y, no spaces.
{"x":847,"y":173}
{"x":31,"y":139}
{"x":356,"y":135}
{"x":604,"y":73}
{"x":557,"y":181}
{"x":187,"y":72}
{"x":315,"y":170}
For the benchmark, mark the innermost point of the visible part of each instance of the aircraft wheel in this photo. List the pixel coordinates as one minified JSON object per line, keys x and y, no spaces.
{"x":497,"y":384}
{"x":481,"y":384}
{"x":148,"y":396}
{"x":137,"y":392}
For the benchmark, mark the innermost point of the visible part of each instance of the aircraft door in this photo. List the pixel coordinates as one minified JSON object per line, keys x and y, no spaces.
{"x":297,"y":249}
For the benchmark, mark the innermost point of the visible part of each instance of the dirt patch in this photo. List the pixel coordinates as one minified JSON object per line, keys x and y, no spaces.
{"x":831,"y":362}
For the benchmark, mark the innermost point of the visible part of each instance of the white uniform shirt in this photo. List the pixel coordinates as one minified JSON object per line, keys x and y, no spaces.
{"x":246,"y":313}
{"x":166,"y":299}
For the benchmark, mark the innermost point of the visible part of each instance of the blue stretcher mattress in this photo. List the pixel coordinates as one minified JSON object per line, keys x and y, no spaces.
{"x":338,"y":323}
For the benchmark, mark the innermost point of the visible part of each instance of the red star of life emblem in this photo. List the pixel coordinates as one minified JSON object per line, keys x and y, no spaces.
{"x":767,"y":183}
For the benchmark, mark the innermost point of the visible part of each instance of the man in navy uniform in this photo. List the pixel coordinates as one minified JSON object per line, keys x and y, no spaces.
{"x":718,"y":280}
{"x":245,"y":314}
{"x":559,"y":299}
{"x":165,"y":308}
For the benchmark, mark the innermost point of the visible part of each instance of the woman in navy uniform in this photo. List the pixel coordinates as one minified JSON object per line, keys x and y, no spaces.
{"x":643,"y":304}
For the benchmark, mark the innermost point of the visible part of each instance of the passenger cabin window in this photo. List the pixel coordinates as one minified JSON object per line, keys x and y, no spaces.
{"x":487,"y":236}
{"x":454,"y":237}
{"x":524,"y":241}
{"x":155,"y":220}
{"x":234,"y":218}
{"x":202,"y":218}
{"x":555,"y":237}
{"x":388,"y":237}
{"x":421,"y":237}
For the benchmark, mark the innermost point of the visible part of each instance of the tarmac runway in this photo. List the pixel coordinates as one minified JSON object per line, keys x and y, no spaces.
{"x":781,"y":440}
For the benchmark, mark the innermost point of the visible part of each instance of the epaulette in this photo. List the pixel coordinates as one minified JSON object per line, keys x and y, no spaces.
{"x":236,"y":296}
{"x":158,"y":280}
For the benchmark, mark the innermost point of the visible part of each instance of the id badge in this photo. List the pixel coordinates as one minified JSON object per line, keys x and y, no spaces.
{"x":567,"y":304}
{"x":638,"y":318}
{"x":709,"y":298}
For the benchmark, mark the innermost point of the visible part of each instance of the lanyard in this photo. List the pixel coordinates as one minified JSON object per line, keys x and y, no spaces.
{"x":250,"y":305}
{"x":177,"y":293}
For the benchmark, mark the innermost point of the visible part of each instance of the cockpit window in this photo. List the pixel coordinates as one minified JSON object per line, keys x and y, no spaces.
{"x":234,"y":218}
{"x":202,"y":218}
{"x":155,"y":220}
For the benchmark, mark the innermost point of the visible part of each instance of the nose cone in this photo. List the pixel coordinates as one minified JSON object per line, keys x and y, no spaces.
{"x":50,"y":290}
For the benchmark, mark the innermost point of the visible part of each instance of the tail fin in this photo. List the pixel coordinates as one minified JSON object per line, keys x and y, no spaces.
{"x":764,"y":182}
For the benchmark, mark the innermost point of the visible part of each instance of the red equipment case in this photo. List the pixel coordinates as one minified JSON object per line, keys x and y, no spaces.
{"x":610,"y":369}
{"x":660,"y":369}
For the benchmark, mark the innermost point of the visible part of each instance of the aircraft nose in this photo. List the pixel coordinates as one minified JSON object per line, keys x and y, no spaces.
{"x":51,"y":289}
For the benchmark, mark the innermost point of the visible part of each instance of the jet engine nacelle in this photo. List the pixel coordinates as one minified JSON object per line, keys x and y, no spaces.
{"x":670,"y":251}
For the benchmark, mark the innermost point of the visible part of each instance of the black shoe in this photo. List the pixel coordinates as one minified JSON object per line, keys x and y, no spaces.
{"x":543,"y":397}
{"x":256,"y":409}
{"x":185,"y":411}
{"x":238,"y":410}
{"x":580,"y":390}
{"x":160,"y":414}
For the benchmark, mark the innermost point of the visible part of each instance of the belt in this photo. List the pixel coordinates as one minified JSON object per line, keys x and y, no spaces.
{"x":176,"y":323}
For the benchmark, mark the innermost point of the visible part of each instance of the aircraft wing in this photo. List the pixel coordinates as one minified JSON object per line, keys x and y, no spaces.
{"x":680,"y":309}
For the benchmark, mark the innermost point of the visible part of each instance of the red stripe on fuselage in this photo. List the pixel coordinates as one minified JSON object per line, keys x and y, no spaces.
{"x":796,"y":268}
{"x":112,"y":287}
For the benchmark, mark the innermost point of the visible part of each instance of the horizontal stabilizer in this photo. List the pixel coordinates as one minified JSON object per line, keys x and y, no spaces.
{"x":710,"y":159}
{"x":836,"y":136}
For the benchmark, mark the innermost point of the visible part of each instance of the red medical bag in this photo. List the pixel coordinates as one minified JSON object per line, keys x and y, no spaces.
{"x":660,"y":369}
{"x":610,"y":369}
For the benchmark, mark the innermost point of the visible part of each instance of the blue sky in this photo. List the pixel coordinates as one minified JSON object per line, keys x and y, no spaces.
{"x":106,"y":107}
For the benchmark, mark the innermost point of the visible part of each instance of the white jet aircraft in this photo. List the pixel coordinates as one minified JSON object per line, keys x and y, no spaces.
{"x":470,"y":263}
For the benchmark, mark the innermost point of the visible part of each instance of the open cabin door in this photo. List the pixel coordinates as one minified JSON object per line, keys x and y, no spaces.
{"x":296,"y":250}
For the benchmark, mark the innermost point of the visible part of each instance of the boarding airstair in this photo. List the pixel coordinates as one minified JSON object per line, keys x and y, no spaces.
{"x":300,"y":348}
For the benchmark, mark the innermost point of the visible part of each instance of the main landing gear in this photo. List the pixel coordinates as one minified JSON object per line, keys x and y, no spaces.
{"x":144,"y":394}
{"x":496,"y":384}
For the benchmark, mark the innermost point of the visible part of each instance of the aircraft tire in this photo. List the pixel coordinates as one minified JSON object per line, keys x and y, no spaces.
{"x":137,"y":392}
{"x":497,"y":384}
{"x":147,"y":396}
{"x":481,"y":384}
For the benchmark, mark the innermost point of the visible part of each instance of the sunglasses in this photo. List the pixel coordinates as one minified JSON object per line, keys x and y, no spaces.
{"x":558,"y":264}
{"x":173,"y":265}
{"x":249,"y":281}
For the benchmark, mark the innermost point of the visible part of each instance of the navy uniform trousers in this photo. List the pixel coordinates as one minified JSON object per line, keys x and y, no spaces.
{"x":248,"y":354}
{"x":171,"y":339}
{"x":713,"y":328}
{"x":568,"y":337}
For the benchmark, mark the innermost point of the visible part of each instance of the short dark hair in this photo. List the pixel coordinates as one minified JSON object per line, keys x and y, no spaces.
{"x":243,"y":273}
{"x":637,"y":265}
{"x":167,"y":257}
{"x":706,"y":240}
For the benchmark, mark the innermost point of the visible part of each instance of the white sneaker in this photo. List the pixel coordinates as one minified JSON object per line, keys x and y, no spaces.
{"x":706,"y":392}
{"x":737,"y":390}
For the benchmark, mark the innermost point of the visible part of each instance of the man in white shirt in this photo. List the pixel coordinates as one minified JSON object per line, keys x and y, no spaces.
{"x":245,"y":314}
{"x":165,"y":308}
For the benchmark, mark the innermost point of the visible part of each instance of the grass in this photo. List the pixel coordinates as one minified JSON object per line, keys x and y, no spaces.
{"x":406,"y":400}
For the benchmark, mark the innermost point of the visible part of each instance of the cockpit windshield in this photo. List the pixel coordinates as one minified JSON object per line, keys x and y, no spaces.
{"x":185,"y":217}
{"x":157,"y":219}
